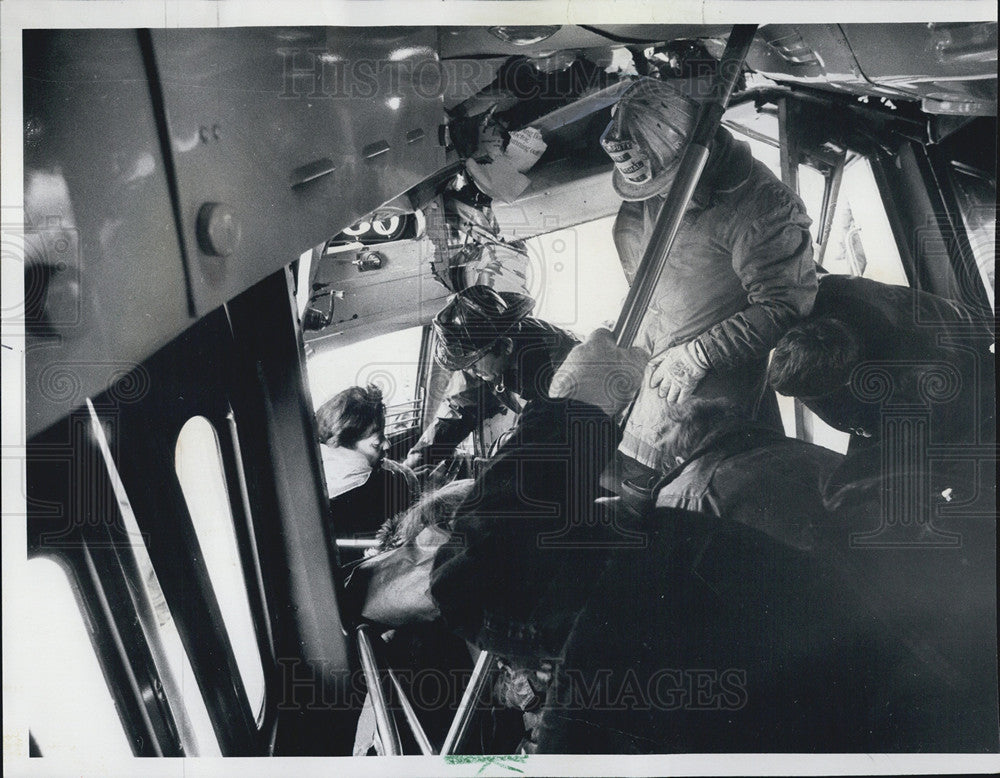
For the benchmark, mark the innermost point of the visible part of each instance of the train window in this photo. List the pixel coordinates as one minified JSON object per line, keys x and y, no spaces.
{"x":812,"y":183}
{"x":977,"y":201}
{"x":198,"y":463}
{"x":389,"y":361}
{"x":576,"y":278}
{"x":176,"y":674}
{"x":70,"y":709}
{"x":861,"y":242}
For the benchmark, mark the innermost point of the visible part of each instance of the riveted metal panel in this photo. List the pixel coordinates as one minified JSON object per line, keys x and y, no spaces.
{"x":104,"y":280}
{"x":296,"y":133}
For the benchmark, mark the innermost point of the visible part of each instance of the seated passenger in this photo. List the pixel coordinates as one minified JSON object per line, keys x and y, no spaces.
{"x":504,"y":358}
{"x":869,"y":347}
{"x":364,"y":486}
{"x":728,"y":465}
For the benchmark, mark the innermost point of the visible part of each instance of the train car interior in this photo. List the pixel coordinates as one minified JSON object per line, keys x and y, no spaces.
{"x":250,"y":220}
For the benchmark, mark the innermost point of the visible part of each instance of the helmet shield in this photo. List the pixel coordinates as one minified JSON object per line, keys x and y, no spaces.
{"x":652,"y":124}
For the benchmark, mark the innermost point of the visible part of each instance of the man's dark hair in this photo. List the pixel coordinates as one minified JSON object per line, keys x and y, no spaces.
{"x":346,"y":417}
{"x":813,"y":358}
{"x":693,"y":422}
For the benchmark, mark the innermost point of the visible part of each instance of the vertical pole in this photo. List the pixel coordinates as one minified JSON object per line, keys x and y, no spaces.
{"x":830,"y":197}
{"x":789,"y":160}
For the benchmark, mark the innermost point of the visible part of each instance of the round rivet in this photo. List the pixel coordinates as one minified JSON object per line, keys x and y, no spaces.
{"x":218,"y":229}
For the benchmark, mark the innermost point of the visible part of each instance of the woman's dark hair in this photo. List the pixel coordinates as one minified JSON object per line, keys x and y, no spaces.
{"x":346,"y":417}
{"x":813,"y":358}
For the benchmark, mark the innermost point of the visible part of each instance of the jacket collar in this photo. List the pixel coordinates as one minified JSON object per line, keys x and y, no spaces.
{"x":727,"y":443}
{"x":727,"y":169}
{"x":344,"y":468}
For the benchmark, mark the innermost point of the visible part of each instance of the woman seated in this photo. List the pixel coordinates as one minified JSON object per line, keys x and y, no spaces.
{"x":365,"y":488}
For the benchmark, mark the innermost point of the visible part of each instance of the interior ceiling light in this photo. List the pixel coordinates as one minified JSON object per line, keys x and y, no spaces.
{"x":525,"y":36}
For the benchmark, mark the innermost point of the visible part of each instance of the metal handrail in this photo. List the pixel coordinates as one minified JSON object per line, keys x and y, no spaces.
{"x":411,"y":717}
{"x":385,"y":722}
{"x":463,"y":716}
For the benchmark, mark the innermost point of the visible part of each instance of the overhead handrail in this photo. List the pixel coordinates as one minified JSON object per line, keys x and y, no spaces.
{"x":654,"y":258}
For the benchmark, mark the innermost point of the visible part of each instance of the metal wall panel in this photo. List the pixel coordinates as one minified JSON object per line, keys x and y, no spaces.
{"x":104,"y":282}
{"x":296,"y":133}
{"x":275,"y":138}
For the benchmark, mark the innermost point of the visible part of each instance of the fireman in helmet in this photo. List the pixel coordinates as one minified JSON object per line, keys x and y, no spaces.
{"x":739,"y":274}
{"x":503,"y":358}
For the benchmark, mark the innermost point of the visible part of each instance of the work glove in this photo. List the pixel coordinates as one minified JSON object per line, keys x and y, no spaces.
{"x":600,"y":373}
{"x":677,"y":372}
{"x":433,"y":478}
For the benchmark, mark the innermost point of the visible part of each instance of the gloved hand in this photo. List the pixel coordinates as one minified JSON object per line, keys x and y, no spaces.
{"x":677,"y":372}
{"x":600,"y":373}
{"x":433,"y":478}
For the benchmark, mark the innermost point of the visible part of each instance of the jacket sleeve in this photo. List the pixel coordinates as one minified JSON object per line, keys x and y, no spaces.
{"x":469,"y":401}
{"x":527,"y":543}
{"x":773,"y":257}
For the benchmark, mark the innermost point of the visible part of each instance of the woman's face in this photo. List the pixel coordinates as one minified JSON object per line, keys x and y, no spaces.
{"x":373,"y":445}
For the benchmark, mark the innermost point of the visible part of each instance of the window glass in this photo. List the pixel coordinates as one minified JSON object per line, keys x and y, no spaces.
{"x":812,"y":185}
{"x":576,"y":278}
{"x":861,"y":242}
{"x":389,"y":361}
{"x":177,"y":676}
{"x":70,"y":709}
{"x":977,"y":202}
{"x":198,"y":463}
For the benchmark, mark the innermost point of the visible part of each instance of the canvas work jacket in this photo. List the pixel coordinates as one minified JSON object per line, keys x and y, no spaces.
{"x":739,"y":274}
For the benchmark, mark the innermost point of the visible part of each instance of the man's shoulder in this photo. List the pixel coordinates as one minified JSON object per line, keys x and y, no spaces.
{"x":689,"y":488}
{"x":898,"y":305}
{"x":760,"y":198}
{"x":771,"y":457}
